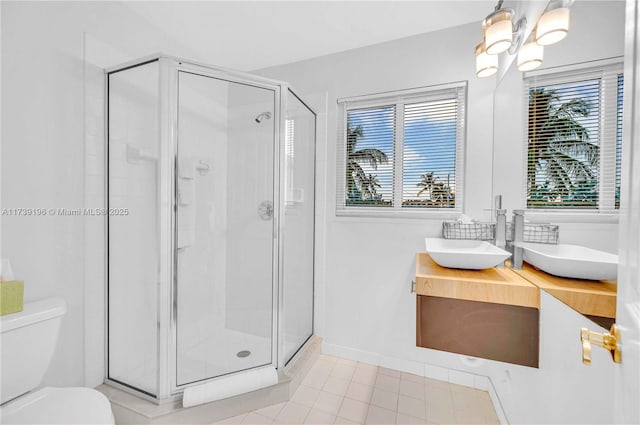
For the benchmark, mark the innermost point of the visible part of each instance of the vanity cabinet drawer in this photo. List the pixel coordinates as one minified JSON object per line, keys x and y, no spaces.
{"x":502,"y":332}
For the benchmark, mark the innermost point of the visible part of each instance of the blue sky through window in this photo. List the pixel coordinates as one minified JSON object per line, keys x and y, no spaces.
{"x":429,"y":146}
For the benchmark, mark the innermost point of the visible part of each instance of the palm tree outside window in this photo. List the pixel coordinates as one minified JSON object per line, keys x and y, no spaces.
{"x":573,"y":141}
{"x":404,"y":152}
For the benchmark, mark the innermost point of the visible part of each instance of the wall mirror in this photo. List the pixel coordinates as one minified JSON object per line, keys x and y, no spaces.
{"x":557,"y":144}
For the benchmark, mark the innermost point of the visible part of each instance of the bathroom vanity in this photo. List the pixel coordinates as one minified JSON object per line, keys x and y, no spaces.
{"x":494,"y":313}
{"x":491,"y":313}
{"x":595,"y":299}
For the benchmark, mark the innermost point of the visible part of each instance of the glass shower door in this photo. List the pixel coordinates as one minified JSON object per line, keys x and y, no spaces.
{"x":133,"y":252}
{"x":224,"y":227}
{"x":298,"y":224}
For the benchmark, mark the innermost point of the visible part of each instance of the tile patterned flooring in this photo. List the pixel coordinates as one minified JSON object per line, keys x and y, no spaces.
{"x":338,"y":391}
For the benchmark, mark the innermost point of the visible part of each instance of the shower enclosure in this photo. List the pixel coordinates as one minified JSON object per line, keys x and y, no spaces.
{"x":210,"y":233}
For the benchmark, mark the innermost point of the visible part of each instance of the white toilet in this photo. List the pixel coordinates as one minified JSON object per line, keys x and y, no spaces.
{"x":28,"y":343}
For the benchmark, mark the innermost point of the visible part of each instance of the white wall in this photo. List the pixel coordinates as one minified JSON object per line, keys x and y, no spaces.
{"x":48,"y":112}
{"x":369,"y":313}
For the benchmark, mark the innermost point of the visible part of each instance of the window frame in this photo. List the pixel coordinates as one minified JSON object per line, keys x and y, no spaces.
{"x":398,"y":99}
{"x":607,"y":70}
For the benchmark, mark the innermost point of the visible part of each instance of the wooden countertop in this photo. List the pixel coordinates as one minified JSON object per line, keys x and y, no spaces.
{"x":594,"y":298}
{"x":496,"y":285}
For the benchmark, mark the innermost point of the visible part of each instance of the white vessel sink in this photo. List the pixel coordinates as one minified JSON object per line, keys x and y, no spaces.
{"x":572,"y":261}
{"x":465,"y":254}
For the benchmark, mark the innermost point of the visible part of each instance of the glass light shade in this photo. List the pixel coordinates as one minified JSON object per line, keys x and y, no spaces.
{"x":552,"y":26}
{"x":486,"y":64}
{"x":498,"y":32}
{"x":530,"y":56}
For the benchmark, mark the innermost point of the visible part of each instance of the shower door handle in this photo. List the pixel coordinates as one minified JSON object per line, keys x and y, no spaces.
{"x":265,"y":210}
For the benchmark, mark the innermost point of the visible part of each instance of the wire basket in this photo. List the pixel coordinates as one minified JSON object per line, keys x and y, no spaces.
{"x":474,"y":231}
{"x":537,"y":233}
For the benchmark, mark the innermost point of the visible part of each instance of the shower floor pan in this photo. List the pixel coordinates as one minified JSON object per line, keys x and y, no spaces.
{"x":127,"y":408}
{"x":222,"y":352}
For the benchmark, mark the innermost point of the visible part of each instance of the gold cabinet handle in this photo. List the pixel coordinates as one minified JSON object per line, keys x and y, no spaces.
{"x":608,"y":340}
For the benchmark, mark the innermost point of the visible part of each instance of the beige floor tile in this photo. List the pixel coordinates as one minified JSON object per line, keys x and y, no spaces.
{"x":235,"y":420}
{"x":460,"y":391}
{"x":470,"y":402}
{"x":408,"y":420}
{"x":412,"y":389}
{"x":440,"y":414}
{"x":256,"y":419}
{"x":347,"y":362}
{"x":386,"y":399}
{"x":328,"y":402}
{"x":292,"y":413}
{"x":411,"y":377}
{"x":344,"y":371}
{"x":412,"y":407}
{"x":389,"y":372}
{"x":438,"y":395}
{"x":484,"y":394}
{"x":462,"y":388}
{"x":336,"y":385}
{"x":271,"y":411}
{"x":362,"y":365}
{"x":305,"y":395}
{"x":353,"y":410}
{"x":468,"y":417}
{"x":315,"y":379}
{"x":359,"y":392}
{"x":318,"y":417}
{"x":490,"y":417}
{"x":378,"y":415}
{"x":326,"y":357}
{"x":365,"y":376}
{"x":436,"y":383}
{"x":344,"y":421}
{"x":388,"y":383}
{"x":322,"y":368}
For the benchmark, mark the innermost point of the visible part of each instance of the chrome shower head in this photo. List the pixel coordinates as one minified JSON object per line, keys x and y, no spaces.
{"x":262,"y":116}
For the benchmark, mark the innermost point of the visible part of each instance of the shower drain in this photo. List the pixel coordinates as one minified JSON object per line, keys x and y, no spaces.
{"x":243,"y":353}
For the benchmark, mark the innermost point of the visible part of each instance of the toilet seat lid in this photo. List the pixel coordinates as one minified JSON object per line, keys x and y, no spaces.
{"x":73,"y":405}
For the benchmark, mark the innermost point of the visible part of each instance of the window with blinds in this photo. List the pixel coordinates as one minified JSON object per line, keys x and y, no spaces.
{"x":574,"y":136}
{"x":402,"y":151}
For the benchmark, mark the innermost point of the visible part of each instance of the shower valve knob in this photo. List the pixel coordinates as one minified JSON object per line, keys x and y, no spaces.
{"x":265,"y":210}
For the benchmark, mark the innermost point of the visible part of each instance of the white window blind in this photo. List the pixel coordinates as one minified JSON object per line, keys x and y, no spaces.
{"x":574,"y":121}
{"x":619,"y":138}
{"x":402,"y":152}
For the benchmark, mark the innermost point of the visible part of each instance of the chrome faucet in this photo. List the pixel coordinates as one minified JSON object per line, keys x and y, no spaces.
{"x":501,"y":230}
{"x":497,"y":204}
{"x":518,"y":238}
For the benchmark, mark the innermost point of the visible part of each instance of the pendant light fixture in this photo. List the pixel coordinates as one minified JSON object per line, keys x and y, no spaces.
{"x":498,"y":31}
{"x":486,"y":64}
{"x":552,"y":26}
{"x":500,"y":34}
{"x":530,"y":56}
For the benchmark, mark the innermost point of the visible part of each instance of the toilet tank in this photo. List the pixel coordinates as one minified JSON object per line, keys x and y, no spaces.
{"x":28,"y":342}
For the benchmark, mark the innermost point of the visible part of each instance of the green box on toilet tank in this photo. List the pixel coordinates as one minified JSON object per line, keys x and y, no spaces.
{"x":11,"y":296}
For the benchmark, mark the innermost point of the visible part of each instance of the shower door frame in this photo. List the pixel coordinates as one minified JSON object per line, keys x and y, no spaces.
{"x":176,"y":66}
{"x":167,"y":389}
{"x":282,"y":359}
{"x":107,"y":73}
